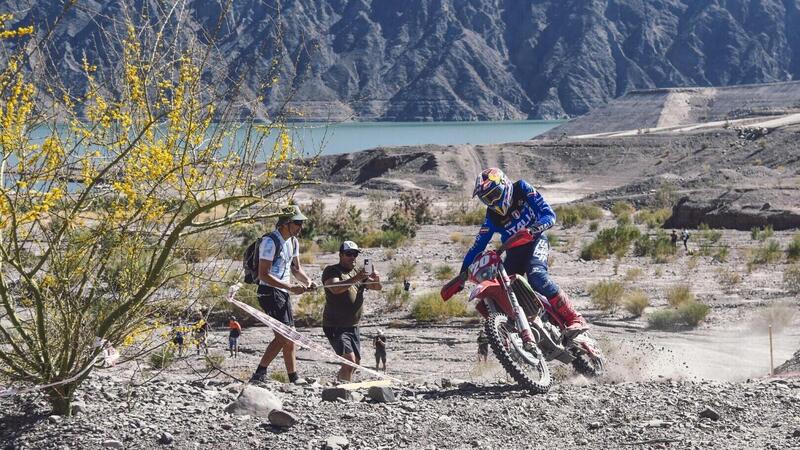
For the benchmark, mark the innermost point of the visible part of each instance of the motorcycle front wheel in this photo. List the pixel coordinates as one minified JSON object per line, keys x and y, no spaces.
{"x":528,"y":368}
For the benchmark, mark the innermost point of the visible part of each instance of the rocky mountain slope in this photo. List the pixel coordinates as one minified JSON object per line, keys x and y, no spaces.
{"x":459,"y":59}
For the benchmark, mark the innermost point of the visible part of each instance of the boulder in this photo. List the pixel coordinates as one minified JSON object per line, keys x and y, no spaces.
{"x":381,"y":394}
{"x":281,"y":419}
{"x":709,"y":413}
{"x":732,"y":210}
{"x":254,"y":401}
{"x":335,"y":393}
{"x":336,"y":443}
{"x":77,"y":407}
{"x":166,"y":439}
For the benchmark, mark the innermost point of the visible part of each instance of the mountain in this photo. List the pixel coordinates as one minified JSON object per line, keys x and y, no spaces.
{"x":461,"y":59}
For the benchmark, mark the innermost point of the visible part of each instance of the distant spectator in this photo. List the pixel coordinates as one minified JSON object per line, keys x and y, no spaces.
{"x":201,"y":329}
{"x":406,"y":285}
{"x":674,"y":238}
{"x":380,"y":350}
{"x":178,"y":333}
{"x":233,"y":336}
{"x":483,"y":347}
{"x":685,"y":238}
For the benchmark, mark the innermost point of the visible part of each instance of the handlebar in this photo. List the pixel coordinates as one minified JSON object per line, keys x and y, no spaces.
{"x":455,"y":285}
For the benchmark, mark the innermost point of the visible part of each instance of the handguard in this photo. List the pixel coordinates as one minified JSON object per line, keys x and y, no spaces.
{"x":453,"y":286}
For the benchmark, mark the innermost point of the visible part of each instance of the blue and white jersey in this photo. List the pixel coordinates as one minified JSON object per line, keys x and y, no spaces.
{"x":281,"y":268}
{"x":528,"y":208}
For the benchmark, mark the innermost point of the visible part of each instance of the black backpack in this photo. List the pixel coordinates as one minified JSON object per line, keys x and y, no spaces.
{"x":250,"y":259}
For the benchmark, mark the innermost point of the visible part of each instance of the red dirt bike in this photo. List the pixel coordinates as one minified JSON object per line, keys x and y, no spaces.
{"x":523,"y":334}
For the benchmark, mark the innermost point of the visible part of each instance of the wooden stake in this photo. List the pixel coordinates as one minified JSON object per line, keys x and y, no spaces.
{"x":771,"y":370}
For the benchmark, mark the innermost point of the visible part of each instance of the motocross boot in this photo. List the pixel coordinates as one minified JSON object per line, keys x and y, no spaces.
{"x":574,"y":324}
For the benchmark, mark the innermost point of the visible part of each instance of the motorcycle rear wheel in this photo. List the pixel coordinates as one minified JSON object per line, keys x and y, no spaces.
{"x":588,"y":366}
{"x":526,"y":368}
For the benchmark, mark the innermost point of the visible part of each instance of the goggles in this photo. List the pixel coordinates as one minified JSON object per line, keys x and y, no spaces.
{"x":493,"y":197}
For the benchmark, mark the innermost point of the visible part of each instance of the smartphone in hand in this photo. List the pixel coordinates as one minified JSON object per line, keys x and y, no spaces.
{"x":368,"y":268}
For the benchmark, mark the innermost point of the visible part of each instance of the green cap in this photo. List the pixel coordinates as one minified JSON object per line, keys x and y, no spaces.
{"x":291,"y":214}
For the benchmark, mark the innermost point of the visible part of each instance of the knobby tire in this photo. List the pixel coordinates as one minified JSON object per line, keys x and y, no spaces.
{"x":503,"y":355}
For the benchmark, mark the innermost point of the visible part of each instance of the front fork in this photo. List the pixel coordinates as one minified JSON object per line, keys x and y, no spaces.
{"x":520,"y":318}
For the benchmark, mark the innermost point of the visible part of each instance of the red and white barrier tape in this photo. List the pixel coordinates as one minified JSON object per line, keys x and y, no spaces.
{"x":296,"y":337}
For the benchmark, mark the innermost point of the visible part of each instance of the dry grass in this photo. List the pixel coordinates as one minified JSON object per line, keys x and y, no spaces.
{"x":607,"y":295}
{"x":403,"y":270}
{"x":635,"y":302}
{"x":679,"y":294}
{"x":444,"y":272}
{"x":430,"y":307}
{"x":632,"y":275}
{"x":728,"y":280}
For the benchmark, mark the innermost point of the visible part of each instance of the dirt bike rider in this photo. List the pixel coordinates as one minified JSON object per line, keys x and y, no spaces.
{"x":510,"y":208}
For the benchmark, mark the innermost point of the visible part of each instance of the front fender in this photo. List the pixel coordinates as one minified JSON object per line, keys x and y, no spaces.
{"x":491,"y":291}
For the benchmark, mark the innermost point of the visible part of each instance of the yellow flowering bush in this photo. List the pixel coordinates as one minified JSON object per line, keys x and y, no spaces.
{"x":101,"y":190}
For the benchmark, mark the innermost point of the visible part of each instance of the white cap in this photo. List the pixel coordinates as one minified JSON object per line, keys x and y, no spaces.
{"x":380,"y":332}
{"x":349,"y":245}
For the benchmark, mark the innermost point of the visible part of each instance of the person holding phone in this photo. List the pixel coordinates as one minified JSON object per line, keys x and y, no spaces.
{"x":344,"y":299}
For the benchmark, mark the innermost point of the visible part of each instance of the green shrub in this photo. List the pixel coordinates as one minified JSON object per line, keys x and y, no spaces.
{"x":693,"y":312}
{"x":397,"y":297}
{"x":162,"y":358}
{"x":722,"y":254}
{"x":593,"y":226}
{"x":664,"y":319}
{"x":791,"y":278}
{"x":383,"y":238}
{"x":431,"y":308}
{"x":635,"y":302}
{"x":444,"y":272}
{"x":768,"y":253}
{"x":610,"y":241}
{"x":571,"y":215}
{"x":464,"y":215}
{"x":280,"y":376}
{"x":553,"y":239}
{"x":666,"y":195}
{"x":690,"y":313}
{"x":308,"y":246}
{"x":403,"y":270}
{"x":417,"y":205}
{"x":659,"y":247}
{"x":607,"y":295}
{"x":708,"y":235}
{"x":793,"y":250}
{"x":622,"y":209}
{"x":330,"y":245}
{"x":762,"y":234}
{"x":308,"y":312}
{"x":401,"y":221}
{"x":653,"y":218}
{"x":679,"y":294}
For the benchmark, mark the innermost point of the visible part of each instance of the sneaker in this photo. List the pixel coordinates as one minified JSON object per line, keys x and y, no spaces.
{"x":300,"y":382}
{"x":258,"y":377}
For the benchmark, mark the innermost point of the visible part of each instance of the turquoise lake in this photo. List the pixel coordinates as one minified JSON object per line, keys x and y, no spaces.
{"x":355,"y":136}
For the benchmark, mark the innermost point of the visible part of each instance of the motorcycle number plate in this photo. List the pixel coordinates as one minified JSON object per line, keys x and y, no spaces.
{"x":484,"y":267}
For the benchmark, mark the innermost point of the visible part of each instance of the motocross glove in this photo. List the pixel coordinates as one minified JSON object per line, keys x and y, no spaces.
{"x":539,"y":228}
